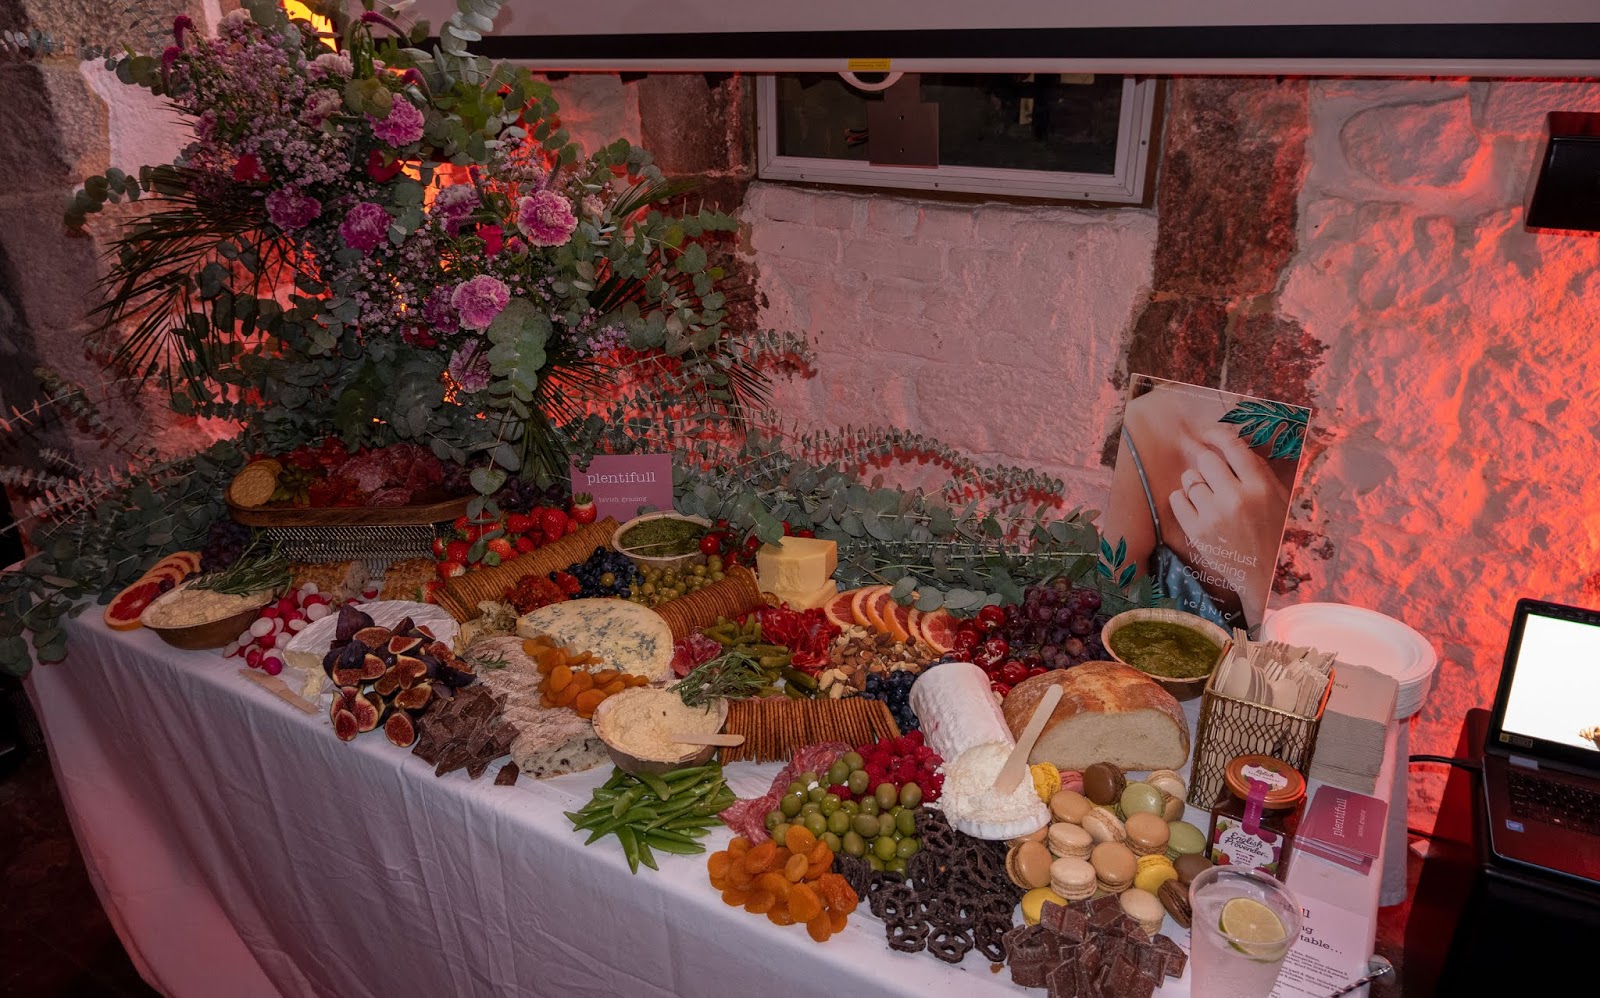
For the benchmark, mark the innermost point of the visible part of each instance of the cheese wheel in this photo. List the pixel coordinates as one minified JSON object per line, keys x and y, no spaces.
{"x":957,"y":709}
{"x":303,"y":654}
{"x":624,"y":636}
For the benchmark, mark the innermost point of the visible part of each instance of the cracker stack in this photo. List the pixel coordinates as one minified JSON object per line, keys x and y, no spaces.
{"x":461,"y":595}
{"x":775,"y":728}
{"x":734,"y":597}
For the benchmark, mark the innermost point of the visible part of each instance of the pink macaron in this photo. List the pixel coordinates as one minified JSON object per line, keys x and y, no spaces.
{"x":1071,"y":779}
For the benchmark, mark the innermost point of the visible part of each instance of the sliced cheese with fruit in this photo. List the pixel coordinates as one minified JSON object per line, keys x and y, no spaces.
{"x":623,"y":635}
{"x":797,"y":565}
{"x":302,"y":656}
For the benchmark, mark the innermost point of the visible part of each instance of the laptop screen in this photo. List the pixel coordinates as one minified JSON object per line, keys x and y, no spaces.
{"x":1555,"y":689}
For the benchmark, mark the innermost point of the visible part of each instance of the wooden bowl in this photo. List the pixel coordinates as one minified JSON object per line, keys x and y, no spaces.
{"x":210,"y":634}
{"x":656,"y":767}
{"x":1181,"y":689}
{"x":652,"y":561}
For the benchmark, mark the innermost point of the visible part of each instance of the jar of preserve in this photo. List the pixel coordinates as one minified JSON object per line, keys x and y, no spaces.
{"x":1257,"y":812}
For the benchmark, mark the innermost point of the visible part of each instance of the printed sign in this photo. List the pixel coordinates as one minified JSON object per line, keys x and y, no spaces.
{"x":1200,"y":496}
{"x":622,"y":484}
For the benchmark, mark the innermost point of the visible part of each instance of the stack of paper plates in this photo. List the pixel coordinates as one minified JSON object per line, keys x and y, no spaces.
{"x":1361,"y":637}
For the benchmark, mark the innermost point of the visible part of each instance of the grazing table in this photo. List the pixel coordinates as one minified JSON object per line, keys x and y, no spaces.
{"x":240,"y":849}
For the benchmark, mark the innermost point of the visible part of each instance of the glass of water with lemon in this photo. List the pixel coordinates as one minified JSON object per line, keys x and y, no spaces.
{"x":1244,"y":923}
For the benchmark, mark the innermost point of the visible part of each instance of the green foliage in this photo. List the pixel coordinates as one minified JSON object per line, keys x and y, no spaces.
{"x":1261,"y":422}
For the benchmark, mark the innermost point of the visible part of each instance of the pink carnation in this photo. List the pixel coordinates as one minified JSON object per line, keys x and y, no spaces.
{"x":480,"y":300}
{"x":453,"y":205}
{"x":469,"y":366}
{"x":290,"y":210}
{"x":402,"y":127}
{"x":546,"y":218}
{"x":365,"y":226}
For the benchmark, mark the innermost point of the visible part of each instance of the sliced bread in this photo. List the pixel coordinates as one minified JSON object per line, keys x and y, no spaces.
{"x":1108,"y":713}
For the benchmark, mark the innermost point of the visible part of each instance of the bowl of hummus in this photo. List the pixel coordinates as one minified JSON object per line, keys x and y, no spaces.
{"x":186,"y":617}
{"x":637,"y":726}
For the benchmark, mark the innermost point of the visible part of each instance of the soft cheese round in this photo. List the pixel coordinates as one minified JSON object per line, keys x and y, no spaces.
{"x":625,"y":636}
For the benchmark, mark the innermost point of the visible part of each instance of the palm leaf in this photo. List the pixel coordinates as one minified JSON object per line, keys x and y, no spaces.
{"x":1260,"y":422}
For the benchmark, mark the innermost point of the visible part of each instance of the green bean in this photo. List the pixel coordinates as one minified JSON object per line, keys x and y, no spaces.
{"x":691,"y":775}
{"x":657,"y":785}
{"x":672,"y":846}
{"x":645,"y":855}
{"x":693,"y":821}
{"x":626,"y":801}
{"x":617,"y":781}
{"x":630,"y":847}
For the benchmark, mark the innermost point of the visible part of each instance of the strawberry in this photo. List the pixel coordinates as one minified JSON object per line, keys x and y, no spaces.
{"x":503,"y":548}
{"x":456,"y":551}
{"x":555,"y":523}
{"x":431,"y":589}
{"x":460,"y":525}
{"x":519,"y":523}
{"x":572,"y":526}
{"x":451,"y":568}
{"x":583,"y":510}
{"x":438,"y":548}
{"x":524,"y":544}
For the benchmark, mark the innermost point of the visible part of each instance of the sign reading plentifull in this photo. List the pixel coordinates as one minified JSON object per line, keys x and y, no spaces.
{"x":621,"y":485}
{"x":1200,"y":496}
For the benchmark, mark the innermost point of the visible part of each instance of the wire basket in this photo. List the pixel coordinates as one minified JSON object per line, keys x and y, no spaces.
{"x":375,"y":546}
{"x":1230,"y":728}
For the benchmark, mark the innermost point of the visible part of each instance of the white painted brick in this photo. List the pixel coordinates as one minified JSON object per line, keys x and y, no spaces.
{"x":947,"y":224}
{"x":892,"y":218}
{"x":777,"y":202}
{"x":898,"y":298}
{"x":795,"y":242}
{"x":837,"y":211}
{"x":909,"y":260}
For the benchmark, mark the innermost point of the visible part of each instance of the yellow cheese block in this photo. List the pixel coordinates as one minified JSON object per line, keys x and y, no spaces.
{"x":799,"y":565}
{"x":817,"y":597}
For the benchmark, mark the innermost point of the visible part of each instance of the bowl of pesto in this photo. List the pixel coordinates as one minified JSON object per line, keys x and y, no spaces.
{"x":662,"y":540}
{"x":1176,"y":649}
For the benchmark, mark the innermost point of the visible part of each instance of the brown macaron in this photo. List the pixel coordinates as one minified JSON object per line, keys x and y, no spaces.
{"x":1147,"y":834}
{"x":1174,"y":897}
{"x":1103,"y":783}
{"x":1142,"y":907}
{"x":1028,"y":865}
{"x":1069,"y":805}
{"x":1067,"y":839}
{"x":1103,"y":826}
{"x":1191,"y":866}
{"x":1114,"y":866}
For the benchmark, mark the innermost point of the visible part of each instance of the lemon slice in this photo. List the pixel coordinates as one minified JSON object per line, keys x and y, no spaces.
{"x":1255,"y":929}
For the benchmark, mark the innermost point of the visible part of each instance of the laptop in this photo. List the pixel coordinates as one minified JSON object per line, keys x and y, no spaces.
{"x":1541,"y":765}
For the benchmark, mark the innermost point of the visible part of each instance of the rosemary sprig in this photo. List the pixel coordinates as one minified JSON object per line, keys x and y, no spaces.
{"x":252,"y":573}
{"x":733,"y":675}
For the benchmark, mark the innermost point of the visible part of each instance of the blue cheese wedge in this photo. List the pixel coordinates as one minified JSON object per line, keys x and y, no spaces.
{"x":623,"y":635}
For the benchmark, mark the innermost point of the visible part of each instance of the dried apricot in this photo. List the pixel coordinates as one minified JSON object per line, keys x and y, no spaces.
{"x":836,"y":890}
{"x":818,"y":861}
{"x":820,"y":927}
{"x":734,"y":899}
{"x":587,"y":701}
{"x":738,"y":847}
{"x":761,"y":858}
{"x":583,"y":681}
{"x":774,"y":882}
{"x":759,"y":902}
{"x":718,"y":862}
{"x":559,"y":679}
{"x":605,"y":677}
{"x":614,"y":687}
{"x":800,"y":839}
{"x":804,"y":904}
{"x":838,"y":920}
{"x":638,"y":680}
{"x":795,"y":869}
{"x":721,"y":883}
{"x":741,"y":877}
{"x":567,"y":695}
{"x":779,"y":915}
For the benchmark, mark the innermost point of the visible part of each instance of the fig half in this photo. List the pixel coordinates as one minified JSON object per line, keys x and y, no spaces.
{"x":400,"y":729}
{"x":351,"y":620}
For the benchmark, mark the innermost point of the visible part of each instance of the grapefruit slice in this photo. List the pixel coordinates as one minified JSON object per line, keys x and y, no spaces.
{"x":122,"y":613}
{"x":877,"y":606}
{"x":837,"y":609}
{"x":897,"y":618}
{"x":914,"y":624}
{"x":858,"y":605}
{"x":175,"y":566}
{"x":938,"y":630}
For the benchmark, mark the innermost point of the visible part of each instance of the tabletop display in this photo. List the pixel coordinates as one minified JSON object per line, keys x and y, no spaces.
{"x":420,"y":311}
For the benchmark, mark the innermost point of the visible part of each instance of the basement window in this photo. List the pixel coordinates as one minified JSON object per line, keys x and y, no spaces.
{"x":1059,"y":136}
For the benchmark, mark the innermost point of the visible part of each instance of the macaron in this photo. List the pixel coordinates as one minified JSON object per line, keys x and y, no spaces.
{"x":1072,"y":779}
{"x":1067,"y":839}
{"x":1168,"y":782}
{"x":1034,"y":901}
{"x":1037,"y":835}
{"x":1069,"y":805}
{"x":1114,"y":866}
{"x":1147,"y":834}
{"x":1046,"y":780}
{"x":1073,"y":879}
{"x":1153,"y":872}
{"x":1103,"y":783}
{"x":1190,"y":866}
{"x":1184,"y":839}
{"x":1140,"y":798}
{"x":1174,"y":897}
{"x":1103,"y":826}
{"x":1028,"y":865}
{"x":1173,"y":809}
{"x":1142,"y":907}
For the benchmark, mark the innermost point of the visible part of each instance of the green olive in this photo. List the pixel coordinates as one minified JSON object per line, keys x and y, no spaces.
{"x":816,"y":824}
{"x":858,"y":781}
{"x":839,"y":822}
{"x":910,"y":795}
{"x":887,"y":795}
{"x":780,"y":833}
{"x":833,"y":841}
{"x":869,"y":805}
{"x":865,"y":825}
{"x":774,"y":819}
{"x":854,"y":845}
{"x":906,"y":848}
{"x":884,"y":848}
{"x":790,"y":805}
{"x":906,"y":823}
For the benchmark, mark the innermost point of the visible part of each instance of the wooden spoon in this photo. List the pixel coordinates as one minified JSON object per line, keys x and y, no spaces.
{"x":707,"y":738}
{"x":1017,"y":762}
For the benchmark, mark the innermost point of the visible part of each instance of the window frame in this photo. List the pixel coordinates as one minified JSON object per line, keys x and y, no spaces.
{"x":1129,"y":184}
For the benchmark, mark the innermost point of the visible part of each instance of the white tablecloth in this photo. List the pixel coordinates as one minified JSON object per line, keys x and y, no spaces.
{"x":241,"y":850}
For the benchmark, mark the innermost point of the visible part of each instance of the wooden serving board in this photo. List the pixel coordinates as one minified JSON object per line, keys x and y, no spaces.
{"x":349,"y":516}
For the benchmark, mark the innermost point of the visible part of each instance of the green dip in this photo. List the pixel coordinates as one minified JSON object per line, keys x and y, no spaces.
{"x":665,"y":537}
{"x":1171,"y":651}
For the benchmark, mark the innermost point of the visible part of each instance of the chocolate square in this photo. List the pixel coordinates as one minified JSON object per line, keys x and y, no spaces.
{"x":1074,"y":927}
{"x":1152,"y":962}
{"x":1029,"y":973}
{"x":508,"y":775}
{"x":1062,"y":982}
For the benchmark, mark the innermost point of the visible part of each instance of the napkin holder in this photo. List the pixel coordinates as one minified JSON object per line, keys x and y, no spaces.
{"x":1231,"y":727}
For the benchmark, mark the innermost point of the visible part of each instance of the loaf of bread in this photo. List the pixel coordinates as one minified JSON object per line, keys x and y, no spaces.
{"x":1108,"y":713}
